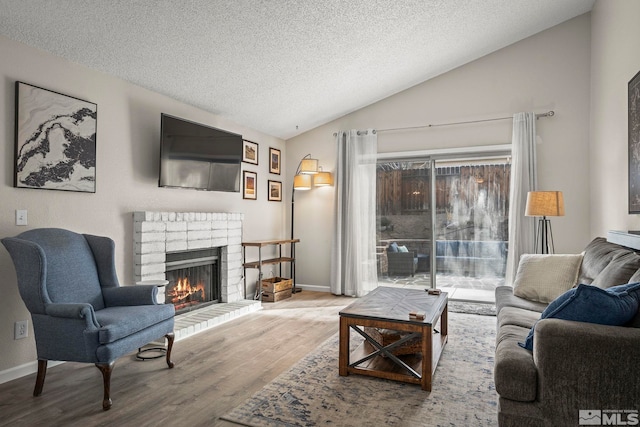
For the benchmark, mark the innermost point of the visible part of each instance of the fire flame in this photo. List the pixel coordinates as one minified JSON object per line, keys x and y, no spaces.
{"x":184,"y":293}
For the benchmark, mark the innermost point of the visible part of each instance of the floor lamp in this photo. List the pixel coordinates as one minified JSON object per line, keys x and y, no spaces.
{"x":543,"y":204}
{"x":307,"y":168}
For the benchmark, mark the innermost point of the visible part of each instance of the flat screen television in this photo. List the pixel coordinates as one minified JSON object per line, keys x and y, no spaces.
{"x":196,"y":156}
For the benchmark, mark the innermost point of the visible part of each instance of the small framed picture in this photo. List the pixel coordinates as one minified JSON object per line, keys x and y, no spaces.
{"x":274,"y":160}
{"x":275,"y":191}
{"x":250,"y":181}
{"x":250,"y":152}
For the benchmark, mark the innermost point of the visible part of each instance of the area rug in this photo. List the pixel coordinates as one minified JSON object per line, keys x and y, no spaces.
{"x":472,"y":308}
{"x":312,"y":393}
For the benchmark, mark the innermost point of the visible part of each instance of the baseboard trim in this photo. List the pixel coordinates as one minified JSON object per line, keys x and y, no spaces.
{"x":316,"y":288}
{"x":23,"y":370}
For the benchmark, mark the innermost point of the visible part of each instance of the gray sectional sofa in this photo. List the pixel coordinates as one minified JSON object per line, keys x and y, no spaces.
{"x":576,"y":368}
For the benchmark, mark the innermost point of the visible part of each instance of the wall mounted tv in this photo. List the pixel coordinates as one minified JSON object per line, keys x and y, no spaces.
{"x":198,"y":156}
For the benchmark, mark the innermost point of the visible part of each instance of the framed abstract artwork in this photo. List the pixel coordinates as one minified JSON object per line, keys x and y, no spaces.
{"x":275,"y":191}
{"x":55,"y":141}
{"x":274,"y":160}
{"x":250,"y":152}
{"x":249,"y":185}
{"x":634,"y":144}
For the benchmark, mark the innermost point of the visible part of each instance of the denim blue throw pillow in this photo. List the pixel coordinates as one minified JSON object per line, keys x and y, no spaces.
{"x":586,"y":303}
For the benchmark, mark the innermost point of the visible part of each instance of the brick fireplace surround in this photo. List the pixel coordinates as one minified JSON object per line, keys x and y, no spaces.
{"x":156,"y":233}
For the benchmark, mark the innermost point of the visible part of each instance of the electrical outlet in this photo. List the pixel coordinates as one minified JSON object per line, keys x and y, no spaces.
{"x":21,"y":217}
{"x":21,"y":329}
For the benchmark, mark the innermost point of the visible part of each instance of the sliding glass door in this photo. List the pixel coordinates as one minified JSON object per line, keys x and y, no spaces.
{"x":443,"y":221}
{"x":404,"y":219}
{"x":471,"y":224}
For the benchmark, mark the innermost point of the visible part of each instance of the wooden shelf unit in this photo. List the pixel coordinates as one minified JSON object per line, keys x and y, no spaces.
{"x":270,"y":261}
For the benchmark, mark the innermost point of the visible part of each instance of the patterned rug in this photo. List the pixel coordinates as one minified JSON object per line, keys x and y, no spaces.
{"x":472,"y":308}
{"x":312,"y":393}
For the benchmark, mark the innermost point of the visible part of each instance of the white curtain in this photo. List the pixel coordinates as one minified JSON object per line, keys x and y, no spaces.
{"x":523,"y":179}
{"x":353,"y":256}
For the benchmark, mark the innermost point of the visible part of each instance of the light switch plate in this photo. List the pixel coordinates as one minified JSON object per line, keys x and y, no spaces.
{"x":21,"y":217}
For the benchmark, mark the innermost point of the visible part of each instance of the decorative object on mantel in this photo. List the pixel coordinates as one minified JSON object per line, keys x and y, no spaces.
{"x":249,"y":184}
{"x":543,"y":204}
{"x":55,"y":144}
{"x":274,"y":160}
{"x":250,"y":152}
{"x":303,"y":181}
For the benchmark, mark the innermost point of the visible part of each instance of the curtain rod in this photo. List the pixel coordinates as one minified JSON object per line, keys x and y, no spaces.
{"x":547,"y":114}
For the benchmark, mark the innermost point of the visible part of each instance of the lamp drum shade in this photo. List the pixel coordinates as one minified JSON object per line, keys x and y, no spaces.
{"x":302,"y":182}
{"x":309,"y":166}
{"x":322,"y":179}
{"x":545,"y":203}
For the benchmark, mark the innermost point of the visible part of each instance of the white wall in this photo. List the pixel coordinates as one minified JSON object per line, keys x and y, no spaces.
{"x":548,"y":71}
{"x":615,"y":59}
{"x":127,"y":174}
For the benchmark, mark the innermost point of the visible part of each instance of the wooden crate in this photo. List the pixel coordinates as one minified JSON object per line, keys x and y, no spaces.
{"x":276,"y":296}
{"x":387,"y":336}
{"x":276,"y":284}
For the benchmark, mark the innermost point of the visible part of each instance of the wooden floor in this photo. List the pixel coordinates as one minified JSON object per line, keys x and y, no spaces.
{"x":215,"y":371}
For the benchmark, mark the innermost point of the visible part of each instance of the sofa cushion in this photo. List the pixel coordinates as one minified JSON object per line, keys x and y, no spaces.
{"x":518,"y":317}
{"x":635,"y":278}
{"x":515,"y":374}
{"x":393,"y":247}
{"x":543,"y":278}
{"x":505,"y":298}
{"x":619,"y":270}
{"x":615,"y":306}
{"x":403,"y":249}
{"x":597,"y":255}
{"x":120,"y":322}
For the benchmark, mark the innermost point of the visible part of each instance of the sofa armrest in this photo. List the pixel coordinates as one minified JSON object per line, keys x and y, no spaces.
{"x":130,"y":295}
{"x":585,"y":366}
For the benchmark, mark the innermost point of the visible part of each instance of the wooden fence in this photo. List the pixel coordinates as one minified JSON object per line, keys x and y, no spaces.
{"x":402,"y":192}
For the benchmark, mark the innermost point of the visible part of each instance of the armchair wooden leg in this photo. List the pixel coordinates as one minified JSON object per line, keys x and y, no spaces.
{"x":170,"y":338}
{"x":42,"y":372}
{"x":106,"y":369}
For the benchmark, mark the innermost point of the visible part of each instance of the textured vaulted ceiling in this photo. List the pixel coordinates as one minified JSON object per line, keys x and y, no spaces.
{"x":278,"y":66}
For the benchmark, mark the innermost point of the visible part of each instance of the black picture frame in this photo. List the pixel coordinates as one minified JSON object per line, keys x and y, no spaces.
{"x":55,"y":140}
{"x":274,"y":160}
{"x":634,"y":144}
{"x":274,"y":191}
{"x":249,"y":185}
{"x":250,"y":152}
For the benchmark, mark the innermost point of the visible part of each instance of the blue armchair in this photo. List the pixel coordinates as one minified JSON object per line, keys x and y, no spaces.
{"x":79,"y":310}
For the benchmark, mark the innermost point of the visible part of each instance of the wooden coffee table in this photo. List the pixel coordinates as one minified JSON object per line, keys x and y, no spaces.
{"x":389,"y":308}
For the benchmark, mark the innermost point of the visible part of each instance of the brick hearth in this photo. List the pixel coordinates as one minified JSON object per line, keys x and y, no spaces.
{"x":156,"y":233}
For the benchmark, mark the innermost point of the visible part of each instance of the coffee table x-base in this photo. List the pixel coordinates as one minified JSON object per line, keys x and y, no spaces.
{"x":389,"y":308}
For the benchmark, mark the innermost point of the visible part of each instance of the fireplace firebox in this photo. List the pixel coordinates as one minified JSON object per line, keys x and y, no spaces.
{"x":194,"y":279}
